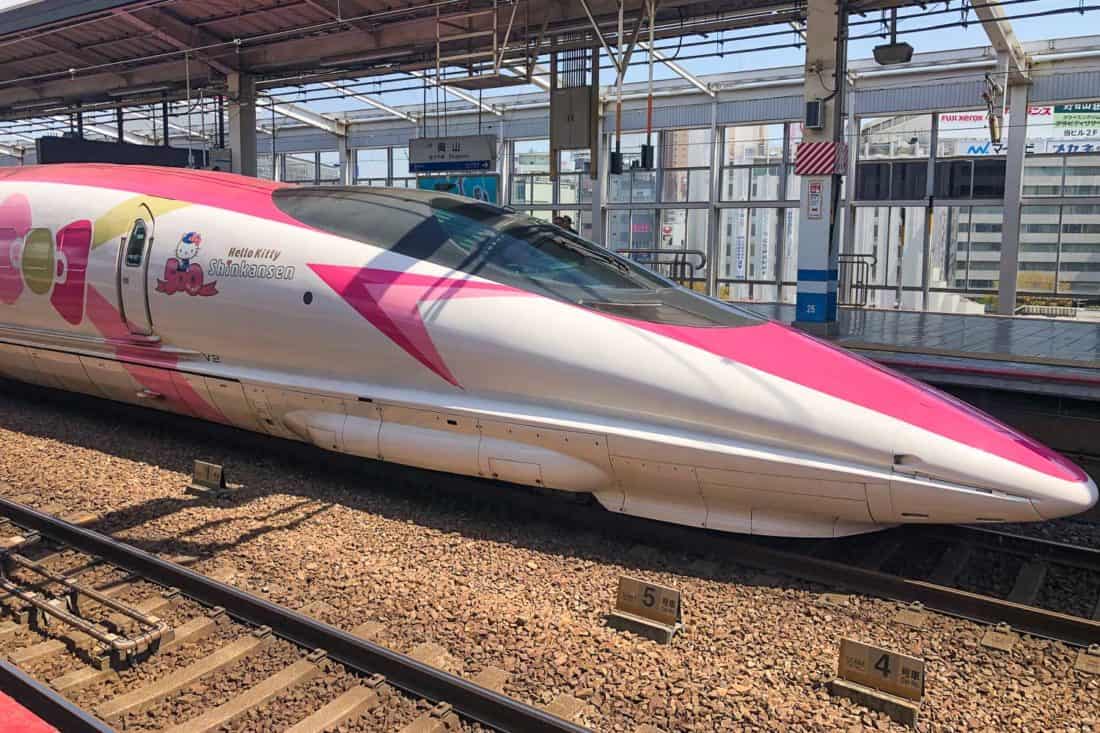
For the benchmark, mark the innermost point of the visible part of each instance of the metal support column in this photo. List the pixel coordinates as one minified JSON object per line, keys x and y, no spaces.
{"x":819,"y":225}
{"x":221,"y":121}
{"x":79,"y":122}
{"x":118,"y":123}
{"x":713,"y":213}
{"x":347,"y":158}
{"x":242,"y":122}
{"x":164,"y":121}
{"x":929,"y":215}
{"x":1014,"y":181}
{"x":599,"y":191}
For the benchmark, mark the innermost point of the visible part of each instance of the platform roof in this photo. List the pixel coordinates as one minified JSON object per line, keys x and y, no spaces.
{"x":57,"y":53}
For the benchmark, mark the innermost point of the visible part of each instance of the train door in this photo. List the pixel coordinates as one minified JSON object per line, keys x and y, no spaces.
{"x":133,"y":274}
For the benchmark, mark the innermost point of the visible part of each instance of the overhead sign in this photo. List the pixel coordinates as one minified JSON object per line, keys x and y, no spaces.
{"x":464,"y":153}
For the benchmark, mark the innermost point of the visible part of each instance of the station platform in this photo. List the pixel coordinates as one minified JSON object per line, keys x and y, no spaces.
{"x":1037,"y":356}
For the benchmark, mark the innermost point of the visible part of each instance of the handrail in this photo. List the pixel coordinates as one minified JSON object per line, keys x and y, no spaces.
{"x":679,"y":267}
{"x":854,"y":286}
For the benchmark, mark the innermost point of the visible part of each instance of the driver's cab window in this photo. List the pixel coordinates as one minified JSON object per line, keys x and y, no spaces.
{"x":135,"y":247}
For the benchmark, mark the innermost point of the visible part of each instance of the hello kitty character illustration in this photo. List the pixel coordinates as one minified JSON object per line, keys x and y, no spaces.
{"x":183,"y":275}
{"x":187,"y":249}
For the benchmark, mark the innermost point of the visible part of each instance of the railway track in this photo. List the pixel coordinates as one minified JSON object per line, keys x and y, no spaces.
{"x":101,"y":634}
{"x":1043,"y":588}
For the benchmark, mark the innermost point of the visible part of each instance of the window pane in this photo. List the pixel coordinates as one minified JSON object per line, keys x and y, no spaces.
{"x":301,"y":167}
{"x":765,"y":183}
{"x":989,"y":178}
{"x":735,"y":184}
{"x":532,"y":156}
{"x":575,"y":161}
{"x":900,"y":136}
{"x":733,"y":244}
{"x":1043,"y":176}
{"x":618,"y":189}
{"x":794,"y":130}
{"x":953,"y":179}
{"x":1082,"y":175}
{"x":1079,"y":271}
{"x":264,"y":168}
{"x":568,"y":183}
{"x":753,"y":144}
{"x":1038,"y":248}
{"x":674,"y":186}
{"x":372,"y":163}
{"x":135,"y":247}
{"x":618,"y":226}
{"x":686,"y":148}
{"x":762,"y":244}
{"x":684,"y":229}
{"x":873,"y":181}
{"x":644,"y":186}
{"x":699,"y":185}
{"x":908,"y":181}
{"x":401,"y":164}
{"x":329,"y":172}
{"x":643,"y":229}
{"x":794,"y":185}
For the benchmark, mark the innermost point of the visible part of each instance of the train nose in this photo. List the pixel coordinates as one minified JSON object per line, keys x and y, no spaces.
{"x":1070,"y":500}
{"x":951,"y":461}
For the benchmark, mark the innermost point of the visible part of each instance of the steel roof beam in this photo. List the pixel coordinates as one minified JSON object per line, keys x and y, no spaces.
{"x":1003,"y":39}
{"x":659,"y":55}
{"x":308,"y":116}
{"x":369,"y":100}
{"x":110,"y":132}
{"x":460,"y":93}
{"x":175,"y":32}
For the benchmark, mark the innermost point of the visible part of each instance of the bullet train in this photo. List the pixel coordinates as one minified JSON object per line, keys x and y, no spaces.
{"x":441,"y":332}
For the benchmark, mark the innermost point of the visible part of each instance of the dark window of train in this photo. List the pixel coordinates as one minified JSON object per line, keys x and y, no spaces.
{"x":135,"y":248}
{"x":500,"y":245}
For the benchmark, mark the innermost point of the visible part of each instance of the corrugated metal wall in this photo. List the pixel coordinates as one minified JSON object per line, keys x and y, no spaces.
{"x":765,"y":109}
{"x":921,"y":97}
{"x":1066,"y":87}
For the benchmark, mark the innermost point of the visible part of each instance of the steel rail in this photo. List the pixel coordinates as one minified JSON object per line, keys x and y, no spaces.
{"x":1073,"y":630}
{"x":466,"y":698}
{"x":48,"y":705}
{"x":1060,"y":553}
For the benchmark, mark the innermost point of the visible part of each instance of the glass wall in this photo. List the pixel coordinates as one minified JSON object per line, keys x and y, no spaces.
{"x":926,"y":207}
{"x":758,"y":212}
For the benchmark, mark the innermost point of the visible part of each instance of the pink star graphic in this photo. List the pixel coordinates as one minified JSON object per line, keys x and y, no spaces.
{"x":391,"y":301}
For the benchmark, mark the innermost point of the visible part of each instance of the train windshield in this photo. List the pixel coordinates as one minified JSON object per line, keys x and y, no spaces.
{"x":500,"y":245}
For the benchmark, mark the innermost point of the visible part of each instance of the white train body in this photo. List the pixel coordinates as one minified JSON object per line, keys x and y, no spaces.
{"x":433,"y":331}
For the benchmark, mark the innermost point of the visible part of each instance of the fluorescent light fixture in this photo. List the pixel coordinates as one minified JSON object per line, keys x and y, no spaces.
{"x":133,"y":92}
{"x":358,"y":58}
{"x":1065,"y":55}
{"x":889,"y":54}
{"x":928,"y":69}
{"x":36,"y":103}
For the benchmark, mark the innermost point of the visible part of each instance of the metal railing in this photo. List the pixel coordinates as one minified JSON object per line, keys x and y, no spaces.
{"x":854,"y":286}
{"x":680,"y":265}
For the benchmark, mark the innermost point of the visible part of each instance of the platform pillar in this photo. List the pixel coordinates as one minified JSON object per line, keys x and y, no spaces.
{"x":820,"y":208}
{"x":1014,"y":186}
{"x":242,"y":122}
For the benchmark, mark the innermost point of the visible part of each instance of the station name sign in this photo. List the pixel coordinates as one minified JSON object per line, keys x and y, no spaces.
{"x":463,"y":153}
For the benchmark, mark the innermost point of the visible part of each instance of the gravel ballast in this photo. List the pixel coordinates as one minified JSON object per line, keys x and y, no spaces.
{"x":510,"y":590}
